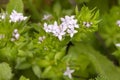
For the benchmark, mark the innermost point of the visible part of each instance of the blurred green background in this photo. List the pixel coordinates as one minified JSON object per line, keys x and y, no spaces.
{"x":36,"y":8}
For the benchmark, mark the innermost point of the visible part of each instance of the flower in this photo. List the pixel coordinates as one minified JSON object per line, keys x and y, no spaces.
{"x":40,"y":39}
{"x":3,"y":16}
{"x":71,"y":32}
{"x":87,"y":24}
{"x":68,"y":72}
{"x":15,"y":35}
{"x":16,"y":17}
{"x":69,"y":22}
{"x":55,"y":29}
{"x":67,"y":26}
{"x":2,"y":36}
{"x":118,"y":23}
{"x":48,"y":28}
{"x":47,"y":16}
{"x":117,"y":44}
{"x":58,"y":31}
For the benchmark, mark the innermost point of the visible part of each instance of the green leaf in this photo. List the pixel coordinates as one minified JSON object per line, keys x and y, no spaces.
{"x":23,"y":78}
{"x":22,"y":64}
{"x":60,"y":54}
{"x":5,"y":71}
{"x":76,"y":10}
{"x":15,"y":5}
{"x":48,"y":72}
{"x":36,"y":71}
{"x":96,"y":15}
{"x":101,"y":64}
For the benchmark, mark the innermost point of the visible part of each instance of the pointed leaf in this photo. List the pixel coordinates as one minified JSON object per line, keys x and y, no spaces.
{"x":36,"y":71}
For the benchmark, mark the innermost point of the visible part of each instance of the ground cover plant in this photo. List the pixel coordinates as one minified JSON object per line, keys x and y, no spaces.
{"x":60,"y":40}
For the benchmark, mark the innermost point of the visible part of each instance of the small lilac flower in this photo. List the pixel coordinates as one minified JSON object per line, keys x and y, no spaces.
{"x":69,"y":24}
{"x":55,"y":29}
{"x":68,"y":72}
{"x":118,"y":23}
{"x":3,"y":16}
{"x":117,"y":44}
{"x":47,"y":16}
{"x":2,"y":36}
{"x":87,"y":24}
{"x":71,"y":32}
{"x":41,"y":39}
{"x":15,"y":35}
{"x":16,"y":17}
{"x":58,"y":31}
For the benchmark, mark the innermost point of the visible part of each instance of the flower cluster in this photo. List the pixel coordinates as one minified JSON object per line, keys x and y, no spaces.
{"x":15,"y":35}
{"x":67,"y":26}
{"x":16,"y":17}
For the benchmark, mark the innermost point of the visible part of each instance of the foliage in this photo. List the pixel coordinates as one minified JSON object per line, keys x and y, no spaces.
{"x":60,"y":40}
{"x":5,"y":71}
{"x":101,"y":64}
{"x":23,"y":78}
